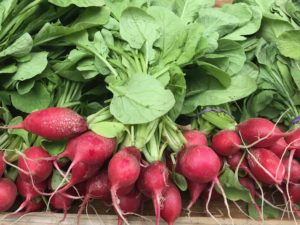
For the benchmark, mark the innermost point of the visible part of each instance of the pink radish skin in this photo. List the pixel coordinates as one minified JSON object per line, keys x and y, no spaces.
{"x":254,"y":129}
{"x":293,"y":139}
{"x":61,"y":202}
{"x":34,"y":206}
{"x":36,"y":164}
{"x":278,"y":147}
{"x":233,"y":161}
{"x":152,"y":182}
{"x":80,"y":172}
{"x":270,"y":162}
{"x":194,"y":138}
{"x":123,"y":171}
{"x":130,"y":203}
{"x":294,"y":172}
{"x":200,"y":164}
{"x":294,"y":190}
{"x":172,"y":204}
{"x":248,"y":184}
{"x":195,"y":190}
{"x":2,"y":164}
{"x":97,"y":187}
{"x":53,"y":123}
{"x":226,"y":142}
{"x":8,"y":194}
{"x":27,"y":191}
{"x":220,"y":3}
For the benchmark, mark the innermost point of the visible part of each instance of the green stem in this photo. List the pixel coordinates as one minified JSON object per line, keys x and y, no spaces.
{"x":109,"y":66}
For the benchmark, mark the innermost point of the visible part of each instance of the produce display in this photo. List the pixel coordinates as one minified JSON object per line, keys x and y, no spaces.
{"x":128,"y":101}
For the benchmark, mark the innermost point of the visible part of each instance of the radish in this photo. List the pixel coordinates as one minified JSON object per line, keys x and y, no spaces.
{"x":194,"y":137}
{"x":35,"y":206}
{"x":226,"y":142}
{"x":53,"y":123}
{"x":234,"y":160}
{"x":35,"y":165}
{"x":61,"y":202}
{"x":200,"y":164}
{"x":259,"y":132}
{"x":294,"y":190}
{"x":248,"y":184}
{"x":172,"y":204}
{"x":27,"y":191}
{"x":129,"y":203}
{"x":279,"y":147}
{"x":97,"y":187}
{"x":293,"y":140}
{"x":80,"y":172}
{"x":220,"y":3}
{"x":152,"y":182}
{"x":2,"y":164}
{"x":294,"y":170}
{"x":266,"y":166}
{"x":90,"y":149}
{"x":8,"y":194}
{"x":195,"y":190}
{"x":123,"y":171}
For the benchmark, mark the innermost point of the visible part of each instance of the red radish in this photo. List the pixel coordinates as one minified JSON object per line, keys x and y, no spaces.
{"x":266,"y":166}
{"x":152,"y":182}
{"x":123,"y":171}
{"x":97,"y":187}
{"x":28,"y":191}
{"x":35,"y":206}
{"x":293,"y":139}
{"x":36,"y":164}
{"x":195,"y":190}
{"x":294,"y":190}
{"x":172,"y":204}
{"x":200,"y":164}
{"x":61,"y":202}
{"x":2,"y":164}
{"x":130,"y":203}
{"x":220,"y":3}
{"x":260,"y":131}
{"x":89,"y":148}
{"x":80,"y":172}
{"x":234,"y":161}
{"x":248,"y":184}
{"x":8,"y":194}
{"x":53,"y":123}
{"x":279,"y":147}
{"x":294,"y":170}
{"x":194,"y":137}
{"x":226,"y":142}
{"x":214,"y":194}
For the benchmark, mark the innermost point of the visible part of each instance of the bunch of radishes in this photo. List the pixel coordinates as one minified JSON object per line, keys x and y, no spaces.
{"x":119,"y":175}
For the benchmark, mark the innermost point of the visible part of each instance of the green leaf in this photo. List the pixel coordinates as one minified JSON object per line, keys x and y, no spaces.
{"x":56,"y":180}
{"x":23,"y":87}
{"x":140,"y":100}
{"x":35,"y":66}
{"x":90,"y":17}
{"x":12,"y":68}
{"x":289,"y":45}
{"x":235,"y":54}
{"x":138,"y":28}
{"x":180,"y":181}
{"x":79,"y":3}
{"x":173,"y":33}
{"x":38,"y":98}
{"x":108,"y":129}
{"x":269,"y":211}
{"x":21,"y":47}
{"x":6,"y":7}
{"x":187,"y":9}
{"x":54,"y":147}
{"x":233,"y":189}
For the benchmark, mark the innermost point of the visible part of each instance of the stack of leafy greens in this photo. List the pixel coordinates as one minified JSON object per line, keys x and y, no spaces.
{"x":137,"y":68}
